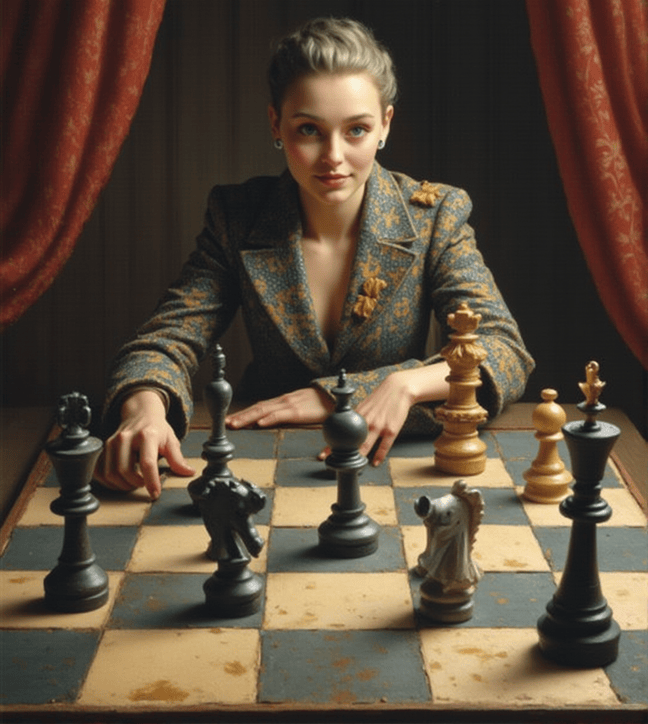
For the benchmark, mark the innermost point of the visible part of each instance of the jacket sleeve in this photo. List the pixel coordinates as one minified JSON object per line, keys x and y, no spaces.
{"x":455,"y":272}
{"x":194,"y":312}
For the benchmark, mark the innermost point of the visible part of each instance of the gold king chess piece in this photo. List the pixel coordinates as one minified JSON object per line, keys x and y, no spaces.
{"x":459,"y":450}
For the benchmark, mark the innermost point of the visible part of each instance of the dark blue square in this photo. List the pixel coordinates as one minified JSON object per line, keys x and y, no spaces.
{"x":629,"y":673}
{"x":254,"y":444}
{"x":38,"y":549}
{"x":618,"y":549}
{"x":305,"y":443}
{"x":169,"y":600}
{"x":337,"y":668}
{"x":502,"y":600}
{"x":296,"y":549}
{"x":42,"y":667}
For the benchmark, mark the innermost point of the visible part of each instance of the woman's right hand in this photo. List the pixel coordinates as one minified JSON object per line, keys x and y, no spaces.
{"x":130,"y":456}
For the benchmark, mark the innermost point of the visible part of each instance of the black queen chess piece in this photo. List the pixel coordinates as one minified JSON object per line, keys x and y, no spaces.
{"x":226,"y":505}
{"x":77,"y":583}
{"x":348,"y":532}
{"x":577,"y":628}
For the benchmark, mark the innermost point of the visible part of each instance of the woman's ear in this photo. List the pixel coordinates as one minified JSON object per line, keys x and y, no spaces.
{"x":273,"y":116}
{"x":386,"y":122}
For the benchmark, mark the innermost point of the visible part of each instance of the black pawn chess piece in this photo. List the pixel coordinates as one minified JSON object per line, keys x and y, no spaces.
{"x":226,"y":505}
{"x":348,"y":532}
{"x":77,"y":583}
{"x":577,"y":628}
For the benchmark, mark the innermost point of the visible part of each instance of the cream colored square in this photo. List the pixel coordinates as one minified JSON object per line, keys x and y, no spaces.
{"x":419,"y":472}
{"x":259,"y":472}
{"x":129,"y":509}
{"x":340,"y":601}
{"x":22,"y":603}
{"x":505,"y":548}
{"x":627,"y":596}
{"x":505,"y":667}
{"x":180,"y":549}
{"x":626,"y":512}
{"x":171,"y":667}
{"x":297,"y":507}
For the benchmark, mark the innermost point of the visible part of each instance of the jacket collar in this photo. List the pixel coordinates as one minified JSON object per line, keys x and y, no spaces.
{"x":273,"y":259}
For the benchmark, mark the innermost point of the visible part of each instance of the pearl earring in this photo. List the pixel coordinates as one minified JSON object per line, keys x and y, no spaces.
{"x":278,"y":144}
{"x":381,"y":144}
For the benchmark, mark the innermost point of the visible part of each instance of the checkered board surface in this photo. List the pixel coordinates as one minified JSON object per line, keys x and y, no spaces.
{"x":332,"y":635}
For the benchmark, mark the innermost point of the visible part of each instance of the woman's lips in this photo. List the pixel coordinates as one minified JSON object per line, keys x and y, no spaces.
{"x":332,"y":179}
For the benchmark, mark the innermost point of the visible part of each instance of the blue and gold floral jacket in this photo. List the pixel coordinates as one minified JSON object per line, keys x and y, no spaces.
{"x":416,"y":257}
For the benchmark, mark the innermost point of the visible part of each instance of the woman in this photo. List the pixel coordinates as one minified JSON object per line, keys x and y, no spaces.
{"x":337,"y":263}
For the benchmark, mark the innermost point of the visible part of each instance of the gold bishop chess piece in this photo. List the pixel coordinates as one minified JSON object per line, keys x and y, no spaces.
{"x":459,"y":450}
{"x":547,"y":480}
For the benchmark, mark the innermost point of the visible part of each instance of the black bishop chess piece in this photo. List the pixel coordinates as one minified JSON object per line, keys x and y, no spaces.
{"x":77,"y":583}
{"x":577,"y":628}
{"x":348,"y":532}
{"x":226,"y":505}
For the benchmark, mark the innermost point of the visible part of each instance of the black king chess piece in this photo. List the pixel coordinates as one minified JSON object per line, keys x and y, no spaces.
{"x":577,"y":628}
{"x":226,"y":505}
{"x":348,"y":532}
{"x":77,"y":583}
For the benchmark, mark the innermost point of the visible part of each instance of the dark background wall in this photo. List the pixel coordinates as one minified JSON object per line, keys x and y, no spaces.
{"x":470,"y":114}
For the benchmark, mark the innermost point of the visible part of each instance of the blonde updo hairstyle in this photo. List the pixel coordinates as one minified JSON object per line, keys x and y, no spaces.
{"x":331,"y":45}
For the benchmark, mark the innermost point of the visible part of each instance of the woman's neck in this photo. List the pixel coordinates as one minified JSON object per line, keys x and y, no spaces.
{"x":331,"y":224}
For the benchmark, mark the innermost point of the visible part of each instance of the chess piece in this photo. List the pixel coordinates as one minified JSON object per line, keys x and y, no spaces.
{"x":77,"y":583}
{"x":348,"y":532}
{"x":226,"y":505}
{"x":577,"y":628}
{"x":450,"y":574}
{"x":459,"y":450}
{"x":547,"y":480}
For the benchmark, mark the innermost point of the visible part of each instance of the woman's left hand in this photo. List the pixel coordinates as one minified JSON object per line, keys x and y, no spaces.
{"x":307,"y":406}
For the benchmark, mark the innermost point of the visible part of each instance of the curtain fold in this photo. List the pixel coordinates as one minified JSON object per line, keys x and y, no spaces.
{"x":592,"y":60}
{"x":71,"y":76}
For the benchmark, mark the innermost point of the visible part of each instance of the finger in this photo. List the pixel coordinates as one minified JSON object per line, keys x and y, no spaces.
{"x":111,"y":477}
{"x":324,"y":453}
{"x":148,"y":463}
{"x":245,"y":417}
{"x":383,"y":449}
{"x":173,"y":454}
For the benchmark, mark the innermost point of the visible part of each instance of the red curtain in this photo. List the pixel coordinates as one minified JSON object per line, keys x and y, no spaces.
{"x":592,"y":58}
{"x":71,"y":76}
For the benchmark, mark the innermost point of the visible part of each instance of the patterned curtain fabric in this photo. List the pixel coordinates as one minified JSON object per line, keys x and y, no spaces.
{"x":592,"y":58}
{"x":71,"y":76}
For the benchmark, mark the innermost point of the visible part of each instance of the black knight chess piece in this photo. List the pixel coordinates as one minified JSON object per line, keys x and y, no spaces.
{"x":226,"y":505}
{"x":577,"y":628}
{"x":348,"y":532}
{"x":77,"y":583}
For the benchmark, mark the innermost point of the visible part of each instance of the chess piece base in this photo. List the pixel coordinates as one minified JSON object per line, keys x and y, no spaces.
{"x":445,"y":606}
{"x":234,"y":594}
{"x":348,"y":534}
{"x":547,"y":489}
{"x":74,"y":589}
{"x":561,"y":645}
{"x":460,"y":455}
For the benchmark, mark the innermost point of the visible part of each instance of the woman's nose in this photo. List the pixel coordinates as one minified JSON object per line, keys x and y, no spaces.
{"x":333,"y":151}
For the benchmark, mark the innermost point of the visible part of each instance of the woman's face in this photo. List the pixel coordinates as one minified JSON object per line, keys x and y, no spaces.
{"x":330,"y":126}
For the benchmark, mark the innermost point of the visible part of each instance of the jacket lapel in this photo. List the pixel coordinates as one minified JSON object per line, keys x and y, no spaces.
{"x":275,"y":267}
{"x":384,"y":253}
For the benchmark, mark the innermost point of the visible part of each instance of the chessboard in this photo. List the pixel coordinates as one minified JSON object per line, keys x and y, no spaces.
{"x":334,"y":639}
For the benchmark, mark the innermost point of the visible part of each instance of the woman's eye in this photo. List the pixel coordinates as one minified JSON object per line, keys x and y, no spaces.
{"x":357,"y":131}
{"x":308,"y":129}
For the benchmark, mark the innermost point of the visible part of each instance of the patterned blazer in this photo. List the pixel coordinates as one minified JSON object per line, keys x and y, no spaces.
{"x":416,"y":257}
